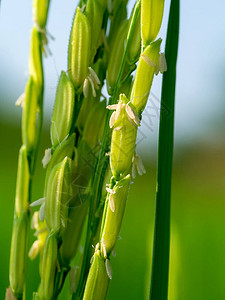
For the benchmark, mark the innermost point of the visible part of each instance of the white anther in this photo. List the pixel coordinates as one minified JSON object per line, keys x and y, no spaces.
{"x":94,"y":81}
{"x":42,"y":212}
{"x":92,"y":85}
{"x":140,"y":166}
{"x":37,"y":202}
{"x":83,"y":8}
{"x":97,"y":247}
{"x":132,"y":115}
{"x":108,"y":269}
{"x":34,"y":221}
{"x":94,"y":76}
{"x":92,"y":258}
{"x":20,"y":101}
{"x":118,"y":110}
{"x":137,"y":165}
{"x":118,"y":128}
{"x":49,"y":35}
{"x":112,"y":119}
{"x":104,"y":248}
{"x":161,"y":64}
{"x":112,"y":107}
{"x":34,"y":250}
{"x":45,"y":35}
{"x":43,"y":30}
{"x":47,"y":157}
{"x":85,"y":88}
{"x":111,"y":203}
{"x":46,"y":50}
{"x":148,"y":60}
{"x":110,"y":191}
{"x":107,"y":154}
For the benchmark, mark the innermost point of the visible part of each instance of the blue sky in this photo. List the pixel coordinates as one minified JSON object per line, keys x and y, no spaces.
{"x":200,"y":72}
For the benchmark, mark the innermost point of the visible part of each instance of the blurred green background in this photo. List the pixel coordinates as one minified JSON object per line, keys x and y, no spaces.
{"x":197,"y":268}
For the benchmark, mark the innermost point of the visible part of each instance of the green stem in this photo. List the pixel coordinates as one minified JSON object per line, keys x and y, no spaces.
{"x":161,"y":246}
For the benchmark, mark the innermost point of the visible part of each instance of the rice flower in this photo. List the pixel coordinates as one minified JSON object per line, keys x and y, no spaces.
{"x":98,"y":279}
{"x":135,"y":45}
{"x":22,"y":185}
{"x":49,"y":263}
{"x":144,"y":76}
{"x":57,"y":195}
{"x":116,"y":57}
{"x":18,"y":255}
{"x":65,"y":148}
{"x":63,"y":110}
{"x":124,"y":122}
{"x":113,"y":219}
{"x":95,"y":12}
{"x":151,"y":19}
{"x":41,"y":232}
{"x":94,"y":125}
{"x":79,"y":49}
{"x":72,"y":234}
{"x":30,"y":115}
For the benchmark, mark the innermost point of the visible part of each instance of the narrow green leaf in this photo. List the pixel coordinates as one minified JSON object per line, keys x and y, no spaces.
{"x":161,"y":246}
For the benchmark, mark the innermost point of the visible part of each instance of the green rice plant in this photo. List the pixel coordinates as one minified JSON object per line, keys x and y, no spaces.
{"x":32,"y":104}
{"x":91,"y":160}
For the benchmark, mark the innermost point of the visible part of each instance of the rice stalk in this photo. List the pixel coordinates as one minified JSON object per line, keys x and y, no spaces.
{"x":124,"y":122}
{"x":68,"y":162}
{"x":32,"y":104}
